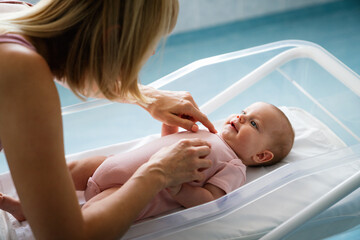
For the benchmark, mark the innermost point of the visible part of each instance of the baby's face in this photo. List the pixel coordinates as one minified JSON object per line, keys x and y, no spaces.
{"x":249,"y":133}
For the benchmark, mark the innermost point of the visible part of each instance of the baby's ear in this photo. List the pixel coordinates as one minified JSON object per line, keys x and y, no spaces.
{"x":263,"y":157}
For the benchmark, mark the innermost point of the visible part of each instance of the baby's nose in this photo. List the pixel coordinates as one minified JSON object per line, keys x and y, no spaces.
{"x":241,"y":118}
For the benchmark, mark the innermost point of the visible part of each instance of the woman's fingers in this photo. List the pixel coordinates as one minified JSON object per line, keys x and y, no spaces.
{"x":201,"y":151}
{"x":194,"y":142}
{"x":196,"y":151}
{"x":199,"y":116}
{"x":187,"y":124}
{"x":176,"y":109}
{"x":199,"y":176}
{"x":183,"y":161}
{"x":193,"y":112}
{"x":188,"y":121}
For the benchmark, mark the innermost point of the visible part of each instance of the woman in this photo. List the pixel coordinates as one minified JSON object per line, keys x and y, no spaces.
{"x":97,"y":48}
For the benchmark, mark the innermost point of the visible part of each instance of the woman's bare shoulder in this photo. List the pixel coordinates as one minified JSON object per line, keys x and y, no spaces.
{"x":19,"y":64}
{"x":25,"y":82}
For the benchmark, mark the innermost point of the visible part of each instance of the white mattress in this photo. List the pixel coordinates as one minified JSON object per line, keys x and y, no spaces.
{"x":271,"y":195}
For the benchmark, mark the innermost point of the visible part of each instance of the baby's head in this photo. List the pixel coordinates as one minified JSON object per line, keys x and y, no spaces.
{"x":260,"y":135}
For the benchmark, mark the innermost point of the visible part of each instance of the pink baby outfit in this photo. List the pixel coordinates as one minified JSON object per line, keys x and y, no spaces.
{"x":227,"y":171}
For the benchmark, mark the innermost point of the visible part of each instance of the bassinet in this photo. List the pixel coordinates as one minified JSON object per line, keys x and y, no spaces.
{"x":321,"y":96}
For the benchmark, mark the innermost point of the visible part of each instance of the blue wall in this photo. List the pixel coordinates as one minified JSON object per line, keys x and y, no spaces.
{"x":198,"y":14}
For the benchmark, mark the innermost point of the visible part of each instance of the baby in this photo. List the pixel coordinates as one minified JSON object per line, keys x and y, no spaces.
{"x":260,"y":135}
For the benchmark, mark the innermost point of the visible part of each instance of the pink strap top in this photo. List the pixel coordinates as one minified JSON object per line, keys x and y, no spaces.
{"x":15,"y":2}
{"x":14,"y":38}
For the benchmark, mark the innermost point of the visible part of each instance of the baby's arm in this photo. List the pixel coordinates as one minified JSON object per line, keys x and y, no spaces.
{"x":190,"y":196}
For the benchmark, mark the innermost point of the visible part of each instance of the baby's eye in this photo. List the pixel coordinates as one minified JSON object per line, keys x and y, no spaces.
{"x":243,"y":112}
{"x":253,"y":123}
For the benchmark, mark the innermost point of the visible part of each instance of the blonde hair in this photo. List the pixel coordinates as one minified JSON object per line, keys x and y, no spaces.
{"x":104,"y":41}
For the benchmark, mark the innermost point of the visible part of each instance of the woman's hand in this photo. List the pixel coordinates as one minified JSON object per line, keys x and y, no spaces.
{"x":179,"y":163}
{"x":175,"y":109}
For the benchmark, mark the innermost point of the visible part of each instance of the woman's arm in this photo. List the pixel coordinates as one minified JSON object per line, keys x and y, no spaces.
{"x":32,"y":136}
{"x":191,"y":196}
{"x":31,"y":133}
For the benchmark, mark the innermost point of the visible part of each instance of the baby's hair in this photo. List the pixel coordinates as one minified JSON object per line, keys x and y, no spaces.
{"x":103,"y":41}
{"x":283,"y":140}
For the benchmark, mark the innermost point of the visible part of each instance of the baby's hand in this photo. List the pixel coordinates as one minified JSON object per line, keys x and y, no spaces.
{"x":167,"y":129}
{"x":174,"y":190}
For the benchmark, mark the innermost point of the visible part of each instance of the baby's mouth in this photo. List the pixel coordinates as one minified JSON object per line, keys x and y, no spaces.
{"x":233,"y":125}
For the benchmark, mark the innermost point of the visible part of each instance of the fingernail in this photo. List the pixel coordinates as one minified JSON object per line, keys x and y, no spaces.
{"x":194,"y":128}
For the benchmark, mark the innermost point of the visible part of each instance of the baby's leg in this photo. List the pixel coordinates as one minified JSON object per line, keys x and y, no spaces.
{"x":12,"y":206}
{"x":82,"y":170}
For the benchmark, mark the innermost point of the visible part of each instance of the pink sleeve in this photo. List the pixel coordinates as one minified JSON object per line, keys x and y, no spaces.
{"x":231,"y":177}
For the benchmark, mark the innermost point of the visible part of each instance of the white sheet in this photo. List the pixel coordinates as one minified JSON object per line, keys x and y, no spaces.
{"x":311,"y":138}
